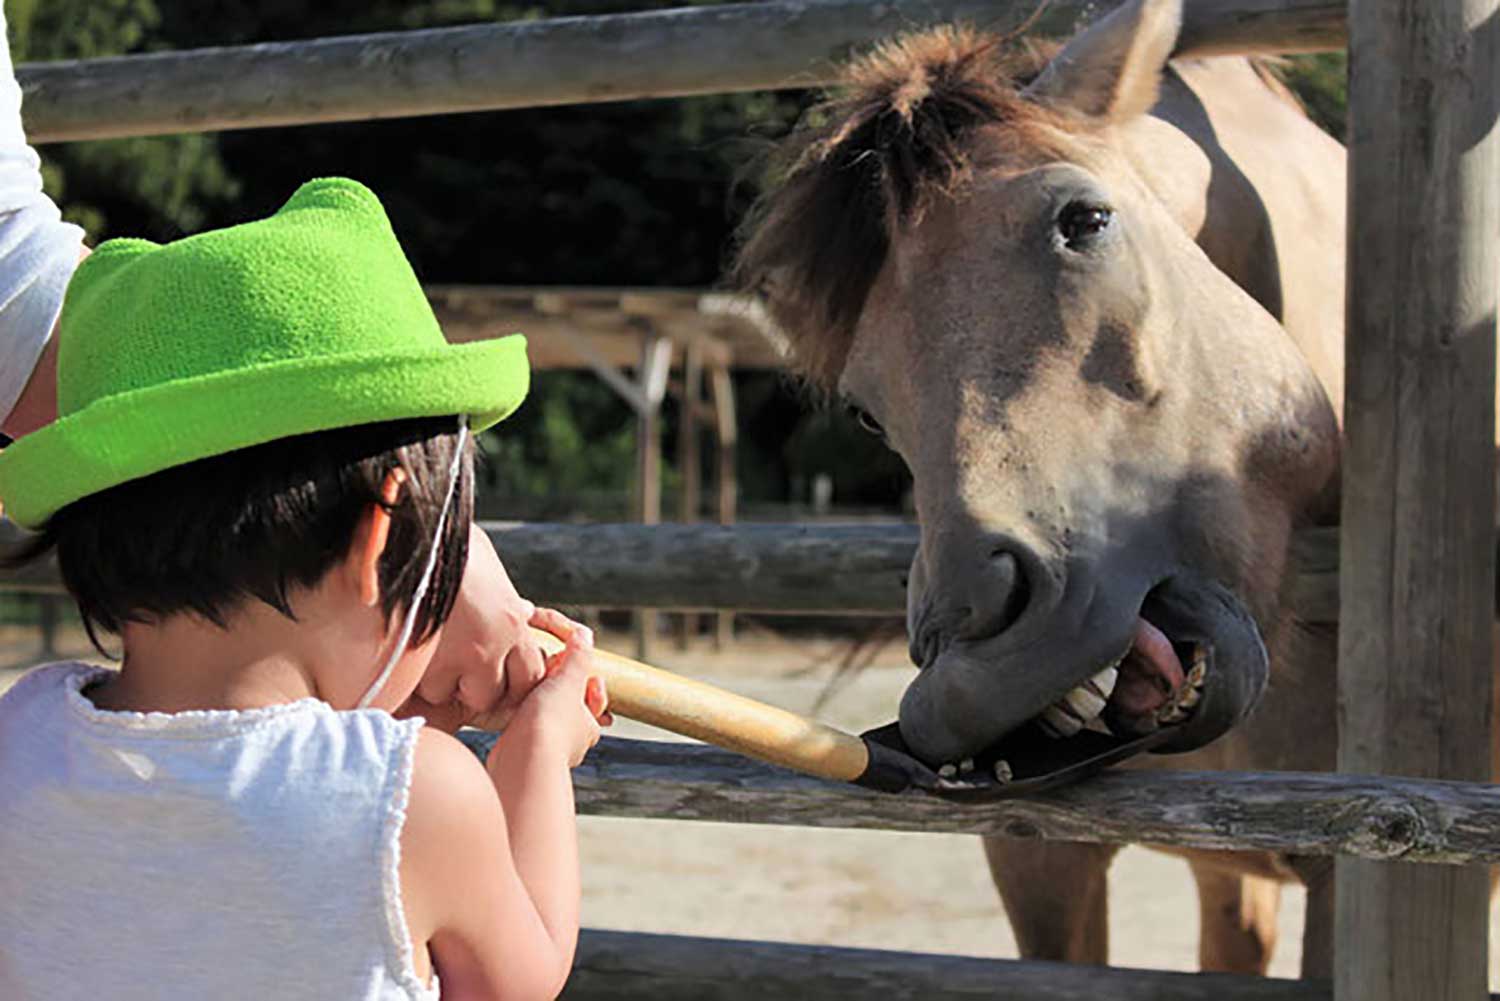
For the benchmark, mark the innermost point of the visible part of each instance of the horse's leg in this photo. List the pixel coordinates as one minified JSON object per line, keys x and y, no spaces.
{"x":1317,"y":931}
{"x":1236,"y":918}
{"x":1057,"y":897}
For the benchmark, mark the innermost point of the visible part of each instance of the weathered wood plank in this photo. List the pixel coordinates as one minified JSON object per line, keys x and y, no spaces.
{"x":1297,"y":813}
{"x":629,"y":966}
{"x":846,"y":569}
{"x":787,"y":568}
{"x":783,"y":568}
{"x":1415,"y":646}
{"x":671,"y":53}
{"x":1262,"y":27}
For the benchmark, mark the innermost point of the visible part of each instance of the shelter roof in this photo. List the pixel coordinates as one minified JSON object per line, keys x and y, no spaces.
{"x":569,"y":327}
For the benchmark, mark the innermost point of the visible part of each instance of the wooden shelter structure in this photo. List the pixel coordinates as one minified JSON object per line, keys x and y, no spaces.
{"x":633,"y":339}
{"x":1417,"y":560}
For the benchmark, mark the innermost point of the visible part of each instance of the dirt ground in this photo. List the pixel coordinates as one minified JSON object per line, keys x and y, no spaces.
{"x":925,"y":892}
{"x":922,"y":892}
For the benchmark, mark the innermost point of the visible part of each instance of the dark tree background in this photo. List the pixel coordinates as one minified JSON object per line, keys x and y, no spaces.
{"x":640,"y":193}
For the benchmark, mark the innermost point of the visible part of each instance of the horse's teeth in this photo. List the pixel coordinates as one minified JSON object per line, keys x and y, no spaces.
{"x":1085,"y":703}
{"x":1103,"y":683}
{"x":1180,"y":708}
{"x":1003,"y":772}
{"x":1081,"y":706}
{"x":948,"y":771}
{"x":1060,"y":723}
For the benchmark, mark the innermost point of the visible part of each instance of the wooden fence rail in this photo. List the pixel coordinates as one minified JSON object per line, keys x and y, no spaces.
{"x":616,"y":966}
{"x":575,"y":60}
{"x":787,"y":568}
{"x":1298,"y":813}
{"x":798,"y":569}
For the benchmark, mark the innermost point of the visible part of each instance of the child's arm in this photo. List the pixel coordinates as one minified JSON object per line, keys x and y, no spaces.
{"x":489,"y":866}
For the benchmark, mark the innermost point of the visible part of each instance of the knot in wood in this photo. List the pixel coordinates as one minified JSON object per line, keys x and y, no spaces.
{"x":1020,"y":829}
{"x":1382,"y":829}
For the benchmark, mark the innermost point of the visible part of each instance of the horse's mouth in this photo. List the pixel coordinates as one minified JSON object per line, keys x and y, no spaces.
{"x":1185,"y":665}
{"x":1155,"y":685}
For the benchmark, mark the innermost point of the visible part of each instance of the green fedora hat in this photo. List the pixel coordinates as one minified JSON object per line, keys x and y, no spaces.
{"x":306,"y":321}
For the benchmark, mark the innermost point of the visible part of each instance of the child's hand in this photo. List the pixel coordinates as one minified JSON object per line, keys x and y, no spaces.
{"x":568,"y":707}
{"x":487,"y":660}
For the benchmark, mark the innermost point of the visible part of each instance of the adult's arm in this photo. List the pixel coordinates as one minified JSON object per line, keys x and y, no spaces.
{"x":38,"y":254}
{"x":37,"y":404}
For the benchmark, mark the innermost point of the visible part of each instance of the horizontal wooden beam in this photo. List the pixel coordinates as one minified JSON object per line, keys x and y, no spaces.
{"x":616,"y":966}
{"x":791,"y":568}
{"x":799,"y":569}
{"x":574,"y":60}
{"x":1295,"y":813}
{"x":608,"y":323}
{"x":842,"y":569}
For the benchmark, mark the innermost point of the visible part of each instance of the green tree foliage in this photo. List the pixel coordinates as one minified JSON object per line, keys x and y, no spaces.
{"x":158,"y":188}
{"x":1321,"y":81}
{"x":638,"y":193}
{"x":633,"y":193}
{"x":567,"y":452}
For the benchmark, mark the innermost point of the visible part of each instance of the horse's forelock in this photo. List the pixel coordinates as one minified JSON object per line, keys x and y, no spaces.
{"x":870,"y":159}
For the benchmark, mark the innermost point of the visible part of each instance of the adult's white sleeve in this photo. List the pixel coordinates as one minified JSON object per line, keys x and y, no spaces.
{"x":38,"y":251}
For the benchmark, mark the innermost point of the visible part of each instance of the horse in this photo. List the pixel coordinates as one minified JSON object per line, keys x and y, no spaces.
{"x":1094,"y":298}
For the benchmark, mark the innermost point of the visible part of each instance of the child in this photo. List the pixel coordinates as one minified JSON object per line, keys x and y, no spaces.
{"x":261,"y":482}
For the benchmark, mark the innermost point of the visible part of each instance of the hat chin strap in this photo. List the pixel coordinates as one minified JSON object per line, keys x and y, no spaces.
{"x":410,"y":620}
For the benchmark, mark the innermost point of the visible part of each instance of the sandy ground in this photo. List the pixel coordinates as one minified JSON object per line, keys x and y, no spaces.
{"x":923,"y":892}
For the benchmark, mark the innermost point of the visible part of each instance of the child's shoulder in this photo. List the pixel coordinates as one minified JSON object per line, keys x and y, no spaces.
{"x":56,"y":683}
{"x":445,"y":775}
{"x":450,"y":801}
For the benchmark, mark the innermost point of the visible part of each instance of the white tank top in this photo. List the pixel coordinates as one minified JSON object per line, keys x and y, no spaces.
{"x":216,"y":854}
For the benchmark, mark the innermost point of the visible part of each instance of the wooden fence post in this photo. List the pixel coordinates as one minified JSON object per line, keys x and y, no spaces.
{"x":726,"y":438}
{"x":1415,"y":645}
{"x":689,"y":461}
{"x":655,"y":365}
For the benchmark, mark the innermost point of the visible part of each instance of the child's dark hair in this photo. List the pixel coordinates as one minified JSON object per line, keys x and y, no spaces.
{"x":257,"y":523}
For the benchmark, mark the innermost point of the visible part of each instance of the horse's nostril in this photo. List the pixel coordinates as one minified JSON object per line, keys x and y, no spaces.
{"x":1012,"y":589}
{"x":924,"y":645}
{"x":978,"y":586}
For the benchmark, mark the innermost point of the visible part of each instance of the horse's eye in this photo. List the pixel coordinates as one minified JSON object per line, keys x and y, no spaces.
{"x":1080,"y":222}
{"x":867,"y":422}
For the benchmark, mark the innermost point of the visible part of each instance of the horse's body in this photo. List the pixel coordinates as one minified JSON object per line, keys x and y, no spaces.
{"x":1111,"y":444}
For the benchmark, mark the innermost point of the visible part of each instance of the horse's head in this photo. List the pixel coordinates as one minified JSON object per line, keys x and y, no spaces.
{"x":1111,"y":442}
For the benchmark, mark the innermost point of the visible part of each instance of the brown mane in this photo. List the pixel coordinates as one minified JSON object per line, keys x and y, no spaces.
{"x":897,"y":134}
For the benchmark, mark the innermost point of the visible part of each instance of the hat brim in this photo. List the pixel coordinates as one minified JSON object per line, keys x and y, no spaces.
{"x":131,"y":435}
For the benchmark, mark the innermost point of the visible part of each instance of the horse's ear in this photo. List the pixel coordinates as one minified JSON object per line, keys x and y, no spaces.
{"x":1112,"y":71}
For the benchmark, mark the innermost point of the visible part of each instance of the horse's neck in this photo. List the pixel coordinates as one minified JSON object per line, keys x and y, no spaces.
{"x":1261,"y":189}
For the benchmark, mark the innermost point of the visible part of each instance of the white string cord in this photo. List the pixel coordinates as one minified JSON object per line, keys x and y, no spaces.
{"x":421,"y":592}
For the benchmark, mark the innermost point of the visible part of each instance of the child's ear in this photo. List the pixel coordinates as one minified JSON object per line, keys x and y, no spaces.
{"x":370,"y":538}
